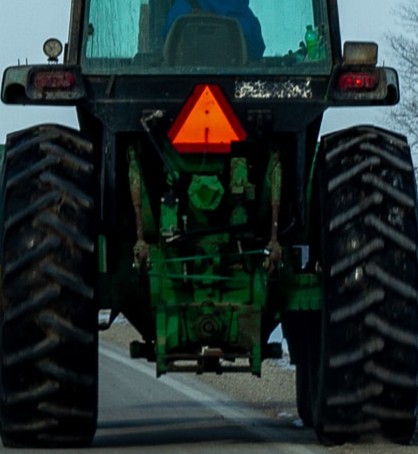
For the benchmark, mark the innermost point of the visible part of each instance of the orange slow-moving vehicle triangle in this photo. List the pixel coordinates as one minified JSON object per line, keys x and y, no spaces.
{"x":206,"y":123}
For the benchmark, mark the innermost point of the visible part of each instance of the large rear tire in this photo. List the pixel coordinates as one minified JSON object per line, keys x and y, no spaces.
{"x":367,"y":381}
{"x":309,"y":331}
{"x":303,"y":393}
{"x":48,"y":327}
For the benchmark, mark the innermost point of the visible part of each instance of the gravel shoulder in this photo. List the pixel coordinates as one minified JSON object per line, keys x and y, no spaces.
{"x":273,"y":393}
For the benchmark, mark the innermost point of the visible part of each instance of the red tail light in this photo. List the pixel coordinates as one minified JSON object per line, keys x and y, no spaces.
{"x":358,"y":81}
{"x":54,"y":80}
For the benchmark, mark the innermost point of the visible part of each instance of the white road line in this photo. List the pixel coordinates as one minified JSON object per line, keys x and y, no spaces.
{"x":246,"y":417}
{"x":207,"y":400}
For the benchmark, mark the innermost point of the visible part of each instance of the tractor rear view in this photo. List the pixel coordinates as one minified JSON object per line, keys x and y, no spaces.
{"x":198,"y":200}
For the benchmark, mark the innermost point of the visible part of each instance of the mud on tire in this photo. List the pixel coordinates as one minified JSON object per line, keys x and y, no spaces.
{"x":48,"y":329}
{"x":369,"y":357}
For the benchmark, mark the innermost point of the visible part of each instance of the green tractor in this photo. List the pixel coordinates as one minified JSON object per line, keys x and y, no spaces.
{"x":197,"y":200}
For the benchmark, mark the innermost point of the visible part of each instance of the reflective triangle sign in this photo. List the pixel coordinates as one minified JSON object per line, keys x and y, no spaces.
{"x":206,"y":123}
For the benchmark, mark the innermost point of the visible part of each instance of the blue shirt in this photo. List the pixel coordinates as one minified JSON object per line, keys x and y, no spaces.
{"x":238,"y":9}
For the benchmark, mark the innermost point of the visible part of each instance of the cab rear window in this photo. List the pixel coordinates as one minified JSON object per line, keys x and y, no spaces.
{"x":206,"y":36}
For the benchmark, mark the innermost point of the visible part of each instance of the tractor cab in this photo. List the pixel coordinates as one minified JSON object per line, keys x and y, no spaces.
{"x":209,"y":37}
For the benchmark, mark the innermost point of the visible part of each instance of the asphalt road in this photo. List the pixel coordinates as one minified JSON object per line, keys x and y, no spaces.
{"x":180,"y":414}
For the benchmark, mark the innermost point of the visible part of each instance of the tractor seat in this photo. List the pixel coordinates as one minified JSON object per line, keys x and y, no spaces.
{"x":205,"y":39}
